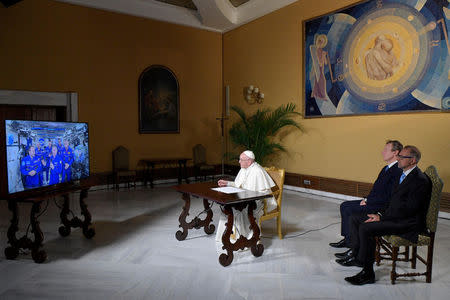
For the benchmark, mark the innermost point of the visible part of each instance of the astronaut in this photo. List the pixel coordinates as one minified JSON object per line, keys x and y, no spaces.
{"x":30,"y":168}
{"x":47,"y":155}
{"x":60,"y":146}
{"x":55,"y":166}
{"x":67,"y":158}
{"x":40,"y":153}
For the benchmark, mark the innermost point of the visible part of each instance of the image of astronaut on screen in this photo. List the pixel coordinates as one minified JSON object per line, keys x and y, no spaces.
{"x":45,"y":153}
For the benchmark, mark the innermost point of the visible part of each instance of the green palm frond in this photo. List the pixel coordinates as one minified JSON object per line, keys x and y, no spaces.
{"x":258,"y":131}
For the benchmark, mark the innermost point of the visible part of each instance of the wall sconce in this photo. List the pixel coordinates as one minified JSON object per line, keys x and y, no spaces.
{"x":253,"y":95}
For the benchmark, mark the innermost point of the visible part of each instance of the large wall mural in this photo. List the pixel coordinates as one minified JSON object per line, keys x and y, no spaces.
{"x":378,"y":57}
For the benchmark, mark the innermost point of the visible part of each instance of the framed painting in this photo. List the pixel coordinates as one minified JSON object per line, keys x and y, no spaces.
{"x":379,"y":56}
{"x":159,"y":104}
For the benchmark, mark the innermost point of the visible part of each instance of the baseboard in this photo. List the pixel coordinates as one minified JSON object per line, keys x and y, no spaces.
{"x":344,"y":187}
{"x":339,"y":198}
{"x":321,"y":186}
{"x":332,"y":197}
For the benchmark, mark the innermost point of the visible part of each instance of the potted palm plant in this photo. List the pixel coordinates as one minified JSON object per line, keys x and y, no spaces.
{"x":258,"y":131}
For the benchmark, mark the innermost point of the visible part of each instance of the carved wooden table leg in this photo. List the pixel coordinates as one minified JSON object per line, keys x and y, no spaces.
{"x":226,"y":259}
{"x":37,"y":253}
{"x":75,"y":222}
{"x":196,"y":223}
{"x":242,"y":242}
{"x":207,"y":227}
{"x":181,"y":235}
{"x":257,"y":249}
{"x":88,"y":230}
{"x":65,"y":229}
{"x":12,"y":251}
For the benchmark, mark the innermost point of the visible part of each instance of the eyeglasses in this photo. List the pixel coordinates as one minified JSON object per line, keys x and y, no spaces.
{"x":240,"y":159}
{"x":404,"y":156}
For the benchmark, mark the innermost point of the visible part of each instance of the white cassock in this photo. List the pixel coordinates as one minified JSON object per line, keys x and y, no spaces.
{"x":254,"y":178}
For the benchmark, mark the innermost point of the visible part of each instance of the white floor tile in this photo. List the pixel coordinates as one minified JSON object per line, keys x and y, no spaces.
{"x":135,"y":255}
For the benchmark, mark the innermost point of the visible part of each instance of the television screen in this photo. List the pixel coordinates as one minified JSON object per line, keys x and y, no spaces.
{"x":41,"y":153}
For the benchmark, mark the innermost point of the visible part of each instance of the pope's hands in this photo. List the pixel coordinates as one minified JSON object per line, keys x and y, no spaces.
{"x":222,"y":182}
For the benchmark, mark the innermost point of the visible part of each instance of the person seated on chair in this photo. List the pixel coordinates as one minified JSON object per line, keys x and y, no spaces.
{"x":251,"y":177}
{"x":404,"y":215}
{"x":377,"y":197}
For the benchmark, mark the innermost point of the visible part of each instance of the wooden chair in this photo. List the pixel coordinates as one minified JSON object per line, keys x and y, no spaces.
{"x":201,"y":168}
{"x":391,"y":243}
{"x":278,"y":177}
{"x":121,"y":170}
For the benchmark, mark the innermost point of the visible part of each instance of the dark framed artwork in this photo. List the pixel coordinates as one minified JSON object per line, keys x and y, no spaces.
{"x":159,"y":104}
{"x":378,"y":56}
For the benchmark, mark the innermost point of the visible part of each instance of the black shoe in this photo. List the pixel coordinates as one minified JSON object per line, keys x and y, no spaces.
{"x":350,"y":261}
{"x":344,"y":254}
{"x":340,"y":244}
{"x":361,"y":278}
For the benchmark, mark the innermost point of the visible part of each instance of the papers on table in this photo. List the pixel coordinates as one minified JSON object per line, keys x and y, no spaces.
{"x":228,"y":190}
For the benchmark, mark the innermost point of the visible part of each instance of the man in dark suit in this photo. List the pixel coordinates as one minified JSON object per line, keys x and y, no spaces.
{"x":404,"y":216}
{"x":378,"y":196}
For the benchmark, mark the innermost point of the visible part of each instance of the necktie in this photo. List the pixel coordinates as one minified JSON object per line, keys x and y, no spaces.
{"x":402,"y":177}
{"x":386,"y":168}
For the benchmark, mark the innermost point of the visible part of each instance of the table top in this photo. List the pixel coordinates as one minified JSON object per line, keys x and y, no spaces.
{"x":203,"y":190}
{"x":40,"y":194}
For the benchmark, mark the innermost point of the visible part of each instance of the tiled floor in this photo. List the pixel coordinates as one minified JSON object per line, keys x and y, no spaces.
{"x":135,"y":255}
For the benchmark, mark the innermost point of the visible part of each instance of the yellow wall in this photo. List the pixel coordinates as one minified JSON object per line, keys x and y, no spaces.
{"x":53,"y":46}
{"x":268,"y":53}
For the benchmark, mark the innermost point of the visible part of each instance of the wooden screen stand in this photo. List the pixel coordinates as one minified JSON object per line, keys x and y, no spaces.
{"x":37,"y":252}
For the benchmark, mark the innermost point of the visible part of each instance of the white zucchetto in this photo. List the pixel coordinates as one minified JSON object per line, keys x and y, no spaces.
{"x":249,"y":154}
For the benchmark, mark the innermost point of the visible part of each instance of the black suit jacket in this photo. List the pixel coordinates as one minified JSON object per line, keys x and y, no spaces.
{"x":382,"y":188}
{"x":409,"y":203}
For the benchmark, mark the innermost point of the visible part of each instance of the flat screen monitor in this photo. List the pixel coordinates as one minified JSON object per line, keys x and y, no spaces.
{"x":43,"y":154}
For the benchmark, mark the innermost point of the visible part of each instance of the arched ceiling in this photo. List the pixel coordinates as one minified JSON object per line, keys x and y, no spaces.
{"x":214,"y":15}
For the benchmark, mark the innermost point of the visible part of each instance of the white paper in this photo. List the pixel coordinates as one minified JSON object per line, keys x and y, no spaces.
{"x":228,"y":190}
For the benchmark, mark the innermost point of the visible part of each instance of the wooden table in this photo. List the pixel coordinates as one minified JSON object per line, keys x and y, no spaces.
{"x":36,"y":198}
{"x":237,"y":201}
{"x":150,"y":163}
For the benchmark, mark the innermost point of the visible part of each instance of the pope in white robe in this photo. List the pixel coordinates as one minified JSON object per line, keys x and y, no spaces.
{"x":251,"y":177}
